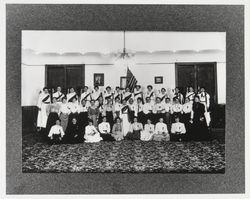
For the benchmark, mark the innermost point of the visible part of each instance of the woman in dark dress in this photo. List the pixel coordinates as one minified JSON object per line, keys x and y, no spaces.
{"x":199,"y":126}
{"x":108,"y":112}
{"x":73,"y":134}
{"x":83,"y":116}
{"x":53,"y":111}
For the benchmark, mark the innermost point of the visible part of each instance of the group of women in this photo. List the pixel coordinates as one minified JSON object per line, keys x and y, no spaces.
{"x":150,"y":115}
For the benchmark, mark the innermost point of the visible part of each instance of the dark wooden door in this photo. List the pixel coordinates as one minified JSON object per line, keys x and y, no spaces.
{"x":206,"y":78}
{"x":65,"y":76}
{"x":197,"y":75}
{"x":185,"y":77}
{"x":74,"y":77}
{"x":55,"y":76}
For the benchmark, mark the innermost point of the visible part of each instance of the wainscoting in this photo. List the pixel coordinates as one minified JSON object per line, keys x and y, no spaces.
{"x":29,"y":118}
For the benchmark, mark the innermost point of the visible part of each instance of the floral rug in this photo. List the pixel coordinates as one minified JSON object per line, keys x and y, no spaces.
{"x":125,"y":156}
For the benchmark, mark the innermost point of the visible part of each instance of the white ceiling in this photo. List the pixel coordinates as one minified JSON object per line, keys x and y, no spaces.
{"x":105,"y":42}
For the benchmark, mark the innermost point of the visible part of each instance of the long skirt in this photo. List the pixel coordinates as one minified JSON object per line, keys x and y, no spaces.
{"x":167,"y":120}
{"x":73,"y":115}
{"x":110,"y":119}
{"x":161,"y":137}
{"x":131,"y":116}
{"x":141,"y":117}
{"x":135,"y":135}
{"x":117,"y":135}
{"x":64,"y":120}
{"x":199,"y":131}
{"x":107,"y":137}
{"x":53,"y":116}
{"x":82,"y":121}
{"x":42,"y":116}
{"x":186,"y":120}
{"x":93,"y":138}
{"x":125,"y":124}
{"x":146,"y":136}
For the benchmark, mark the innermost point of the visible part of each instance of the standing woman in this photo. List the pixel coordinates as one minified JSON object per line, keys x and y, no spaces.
{"x":83,"y":116}
{"x":199,"y":127}
{"x":138,"y":93}
{"x":117,"y":131}
{"x":93,"y":113}
{"x":108,"y":112}
{"x":53,"y":112}
{"x":124,"y":117}
{"x":187,"y":109}
{"x":43,"y":102}
{"x":108,"y":95}
{"x":74,"y":109}
{"x":117,"y":107}
{"x":127,"y":94}
{"x":64,"y":112}
{"x":132,"y":109}
{"x":150,"y":94}
{"x":168,"y":109}
{"x":190,"y":94}
{"x":118,"y":93}
{"x":86,"y":96}
{"x":139,"y":111}
{"x":96,"y":94}
{"x":58,"y":94}
{"x":71,"y":95}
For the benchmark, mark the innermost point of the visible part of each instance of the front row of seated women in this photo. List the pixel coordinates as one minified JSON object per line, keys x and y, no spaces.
{"x":158,"y":132}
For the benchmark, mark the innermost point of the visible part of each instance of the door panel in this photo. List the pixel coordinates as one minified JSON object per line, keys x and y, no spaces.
{"x":206,"y":78}
{"x":65,"y":76}
{"x":186,"y":77}
{"x":55,"y":76}
{"x":197,"y":75}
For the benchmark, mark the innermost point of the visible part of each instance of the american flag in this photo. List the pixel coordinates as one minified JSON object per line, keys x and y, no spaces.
{"x":131,"y":80}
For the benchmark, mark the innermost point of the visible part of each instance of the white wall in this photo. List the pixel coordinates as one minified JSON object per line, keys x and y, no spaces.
{"x":146,"y":68}
{"x":33,"y":80}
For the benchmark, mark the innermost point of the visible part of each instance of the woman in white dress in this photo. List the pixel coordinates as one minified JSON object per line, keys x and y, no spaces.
{"x":42,"y":104}
{"x":148,"y":131}
{"x":91,"y":134}
{"x":124,"y":117}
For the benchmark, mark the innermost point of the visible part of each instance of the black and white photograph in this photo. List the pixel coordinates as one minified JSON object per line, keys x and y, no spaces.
{"x":123,"y":101}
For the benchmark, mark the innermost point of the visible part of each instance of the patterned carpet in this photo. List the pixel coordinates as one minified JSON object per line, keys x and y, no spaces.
{"x":125,"y":156}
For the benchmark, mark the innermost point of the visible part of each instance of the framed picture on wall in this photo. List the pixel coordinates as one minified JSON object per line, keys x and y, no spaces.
{"x":158,"y":80}
{"x":98,"y":79}
{"x":123,"y":82}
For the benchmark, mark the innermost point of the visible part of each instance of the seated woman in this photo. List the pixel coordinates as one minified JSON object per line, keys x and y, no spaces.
{"x":73,"y":133}
{"x":117,"y":130}
{"x":161,"y":131}
{"x":178,"y":130}
{"x":104,"y":129}
{"x":135,"y":130}
{"x":148,"y":132}
{"x":91,"y":134}
{"x":56,"y":133}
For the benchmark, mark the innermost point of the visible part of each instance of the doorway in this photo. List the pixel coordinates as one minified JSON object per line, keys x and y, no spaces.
{"x":197,"y":75}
